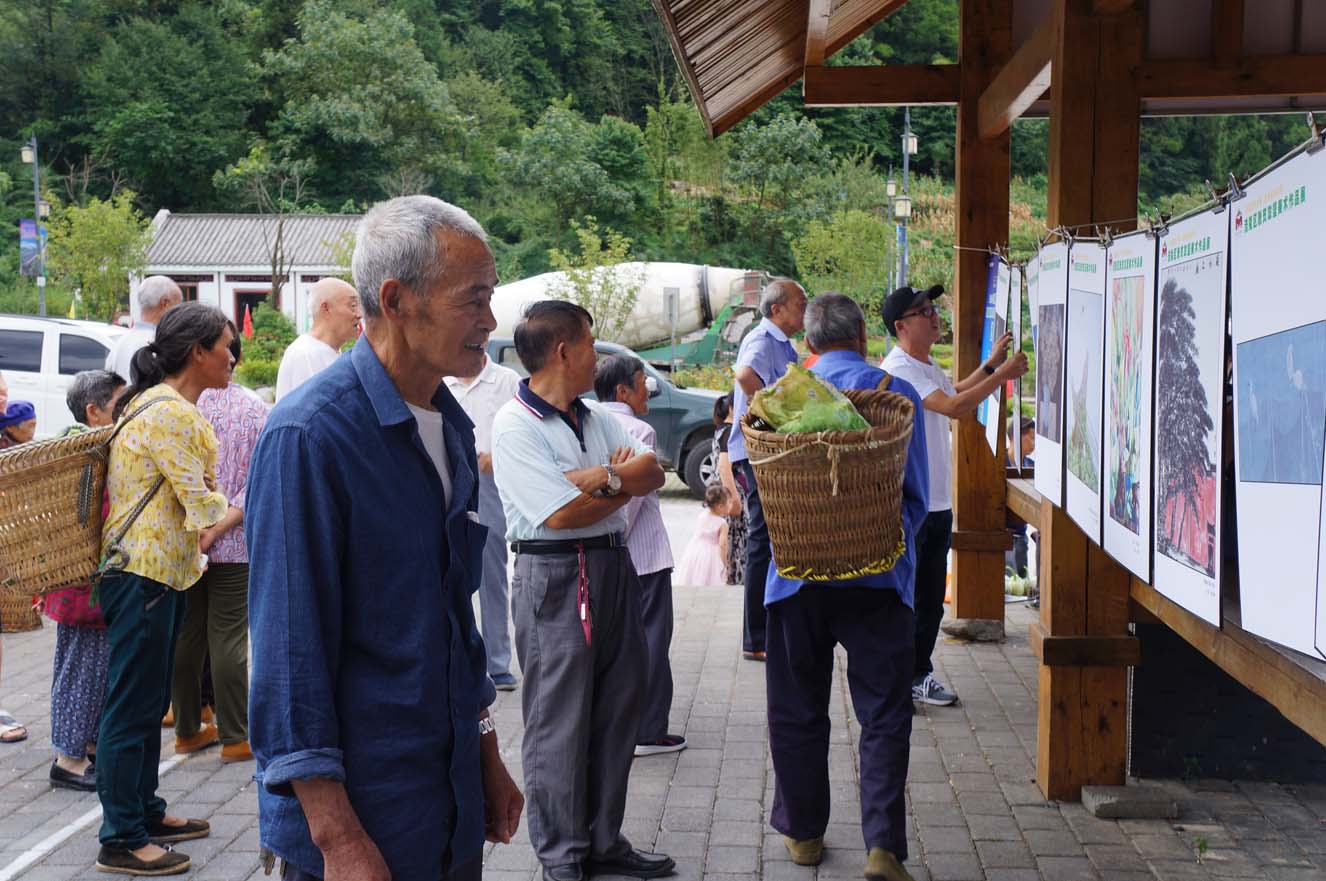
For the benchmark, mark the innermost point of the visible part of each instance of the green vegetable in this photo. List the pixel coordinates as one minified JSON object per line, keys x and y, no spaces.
{"x":802,"y":402}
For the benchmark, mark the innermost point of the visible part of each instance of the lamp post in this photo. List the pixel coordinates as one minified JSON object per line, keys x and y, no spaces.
{"x":903,"y":207}
{"x":891,"y":190}
{"x":28,"y":153}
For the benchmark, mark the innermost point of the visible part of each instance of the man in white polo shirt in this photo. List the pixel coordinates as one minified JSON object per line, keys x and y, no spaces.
{"x":334,"y":305}
{"x":566,"y":470}
{"x":157,"y":295}
{"x":911,"y":316}
{"x":481,"y":397}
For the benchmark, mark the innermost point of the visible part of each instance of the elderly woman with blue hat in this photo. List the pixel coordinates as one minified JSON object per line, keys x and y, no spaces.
{"x":18,"y":425}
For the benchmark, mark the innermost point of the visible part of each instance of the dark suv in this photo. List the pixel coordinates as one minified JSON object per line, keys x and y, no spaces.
{"x":683,"y":417}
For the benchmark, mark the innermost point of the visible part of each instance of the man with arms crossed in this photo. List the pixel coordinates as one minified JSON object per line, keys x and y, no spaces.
{"x":566,"y":470}
{"x":368,"y":711}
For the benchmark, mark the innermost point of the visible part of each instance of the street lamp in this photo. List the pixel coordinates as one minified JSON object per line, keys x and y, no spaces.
{"x":28,"y":153}
{"x":903,"y":207}
{"x":891,"y":186}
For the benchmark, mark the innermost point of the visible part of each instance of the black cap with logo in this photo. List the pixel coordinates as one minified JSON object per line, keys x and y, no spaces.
{"x":905,"y":298}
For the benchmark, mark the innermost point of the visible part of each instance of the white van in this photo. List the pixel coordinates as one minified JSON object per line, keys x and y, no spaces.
{"x":39,"y":357}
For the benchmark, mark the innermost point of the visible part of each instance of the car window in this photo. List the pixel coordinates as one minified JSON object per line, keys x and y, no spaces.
{"x":78,"y":353}
{"x":507,"y":357}
{"x":20,"y":350}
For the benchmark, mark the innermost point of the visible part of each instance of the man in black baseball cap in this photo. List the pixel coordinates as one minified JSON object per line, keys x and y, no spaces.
{"x":904,"y":299}
{"x":912,"y":319}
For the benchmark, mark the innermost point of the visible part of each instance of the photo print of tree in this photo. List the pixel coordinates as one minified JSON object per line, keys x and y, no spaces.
{"x":1186,"y":484}
{"x":1125,"y":352}
{"x":1050,"y":371}
{"x":1282,"y":399}
{"x":1085,"y":367}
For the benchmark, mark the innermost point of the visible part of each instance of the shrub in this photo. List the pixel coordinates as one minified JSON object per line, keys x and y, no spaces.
{"x":256,"y":373}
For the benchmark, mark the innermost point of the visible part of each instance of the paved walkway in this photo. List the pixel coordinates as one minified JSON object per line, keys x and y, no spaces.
{"x":974,"y":812}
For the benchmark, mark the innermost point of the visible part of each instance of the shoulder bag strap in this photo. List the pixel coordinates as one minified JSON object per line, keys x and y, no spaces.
{"x":884,"y":383}
{"x":115,"y":557}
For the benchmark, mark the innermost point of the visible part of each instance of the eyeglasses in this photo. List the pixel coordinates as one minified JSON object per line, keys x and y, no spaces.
{"x":924,"y":312}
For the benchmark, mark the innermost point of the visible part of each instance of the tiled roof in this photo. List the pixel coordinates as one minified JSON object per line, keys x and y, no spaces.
{"x":207,"y":240}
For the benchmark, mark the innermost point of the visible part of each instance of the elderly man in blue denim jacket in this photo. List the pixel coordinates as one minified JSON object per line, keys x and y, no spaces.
{"x":872,"y":618}
{"x":376,"y":754}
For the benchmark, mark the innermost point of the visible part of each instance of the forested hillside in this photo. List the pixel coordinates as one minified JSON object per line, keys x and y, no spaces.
{"x":537,"y":115}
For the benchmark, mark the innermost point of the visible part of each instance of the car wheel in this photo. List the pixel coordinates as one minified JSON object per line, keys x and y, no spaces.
{"x":699,"y":468}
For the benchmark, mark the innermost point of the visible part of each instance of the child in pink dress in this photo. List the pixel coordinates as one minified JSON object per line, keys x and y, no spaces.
{"x":705,"y":560}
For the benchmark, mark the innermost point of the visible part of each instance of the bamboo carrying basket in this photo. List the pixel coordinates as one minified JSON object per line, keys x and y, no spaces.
{"x":833,"y":499}
{"x":50,"y":515}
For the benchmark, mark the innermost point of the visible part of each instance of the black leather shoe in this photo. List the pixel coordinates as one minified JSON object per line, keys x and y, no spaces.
{"x":633,"y":863}
{"x":85,"y":782}
{"x":568,"y":872}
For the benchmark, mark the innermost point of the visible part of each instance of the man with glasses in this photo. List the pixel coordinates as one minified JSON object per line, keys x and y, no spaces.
{"x":912,"y":318}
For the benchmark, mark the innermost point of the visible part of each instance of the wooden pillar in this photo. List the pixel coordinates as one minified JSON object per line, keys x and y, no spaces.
{"x":1093,"y":163}
{"x":985,"y":45}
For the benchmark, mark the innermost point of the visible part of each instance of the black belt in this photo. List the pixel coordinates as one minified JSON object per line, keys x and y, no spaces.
{"x":569,"y":545}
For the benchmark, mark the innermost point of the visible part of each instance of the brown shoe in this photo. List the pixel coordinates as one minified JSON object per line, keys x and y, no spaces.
{"x":123,"y":862}
{"x":205,"y":737}
{"x":236,"y":752}
{"x":883,"y":865}
{"x":805,"y":853}
{"x":207,"y":715}
{"x":161,"y":833}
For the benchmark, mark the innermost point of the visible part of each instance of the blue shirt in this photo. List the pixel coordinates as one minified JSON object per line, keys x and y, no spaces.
{"x":534,"y":445}
{"x":367,"y":667}
{"x":848,"y":370}
{"x":767,"y":351}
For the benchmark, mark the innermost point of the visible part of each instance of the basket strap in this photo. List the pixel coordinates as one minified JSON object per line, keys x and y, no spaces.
{"x":884,"y":383}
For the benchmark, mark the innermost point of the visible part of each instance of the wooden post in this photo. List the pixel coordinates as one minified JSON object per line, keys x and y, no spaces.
{"x":985,"y":45}
{"x":1094,"y":130}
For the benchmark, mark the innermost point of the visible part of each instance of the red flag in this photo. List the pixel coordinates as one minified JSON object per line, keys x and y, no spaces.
{"x":248,"y":322}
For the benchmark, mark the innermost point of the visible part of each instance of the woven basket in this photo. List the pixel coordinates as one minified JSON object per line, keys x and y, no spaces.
{"x":833,"y":499}
{"x":17,"y":614}
{"x":50,"y":514}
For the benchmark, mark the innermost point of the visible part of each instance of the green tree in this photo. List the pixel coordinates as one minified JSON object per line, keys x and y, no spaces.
{"x":852,"y":252}
{"x":594,"y":277}
{"x":776,"y":158}
{"x":96,"y":248}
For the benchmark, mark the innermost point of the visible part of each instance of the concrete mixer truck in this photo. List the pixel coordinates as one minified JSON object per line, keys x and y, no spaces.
{"x":684,"y":313}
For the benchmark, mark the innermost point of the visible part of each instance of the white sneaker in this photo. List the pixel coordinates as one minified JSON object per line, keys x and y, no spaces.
{"x":931,"y":691}
{"x":668,"y":743}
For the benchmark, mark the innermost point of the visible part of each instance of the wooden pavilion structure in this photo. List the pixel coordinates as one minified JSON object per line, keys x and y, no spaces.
{"x":1094,"y":67}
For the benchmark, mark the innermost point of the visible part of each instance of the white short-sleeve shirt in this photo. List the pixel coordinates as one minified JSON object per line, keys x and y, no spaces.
{"x":492,"y":388}
{"x":928,"y":377}
{"x":306,"y":357}
{"x":533,"y":448}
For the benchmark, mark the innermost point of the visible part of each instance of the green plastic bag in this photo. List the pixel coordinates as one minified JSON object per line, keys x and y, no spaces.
{"x":802,"y":402}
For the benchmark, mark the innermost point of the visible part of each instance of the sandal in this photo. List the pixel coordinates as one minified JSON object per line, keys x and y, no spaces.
{"x":8,"y":725}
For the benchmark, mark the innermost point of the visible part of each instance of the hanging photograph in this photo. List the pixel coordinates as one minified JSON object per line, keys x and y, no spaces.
{"x":1190,"y":360}
{"x":1084,"y":386}
{"x":1015,"y":327}
{"x":1051,"y":308}
{"x":1279,"y":336}
{"x":1131,"y":288}
{"x":994,"y":405}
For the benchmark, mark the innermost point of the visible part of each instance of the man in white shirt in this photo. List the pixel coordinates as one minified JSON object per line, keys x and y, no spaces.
{"x":619,"y":384}
{"x":334,"y":306}
{"x":481,"y":396}
{"x":912,"y":318}
{"x":157,"y":294}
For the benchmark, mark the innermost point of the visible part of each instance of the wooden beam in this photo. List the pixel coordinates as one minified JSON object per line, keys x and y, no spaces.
{"x":817,"y":31}
{"x":1021,"y":83}
{"x":1289,"y":687}
{"x":1113,"y":7}
{"x":881,"y":85}
{"x":885,"y":9}
{"x":1266,"y":76}
{"x":1083,"y":651}
{"x":1023,"y":501}
{"x":664,"y":11}
{"x":970,"y":540}
{"x":985,"y":43}
{"x":1227,"y":31}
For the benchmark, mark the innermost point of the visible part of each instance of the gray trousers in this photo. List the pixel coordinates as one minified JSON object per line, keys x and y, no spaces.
{"x":493,"y":614}
{"x":656,"y":616}
{"x":581,"y":702}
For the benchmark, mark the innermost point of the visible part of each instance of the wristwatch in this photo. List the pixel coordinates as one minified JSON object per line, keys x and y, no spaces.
{"x":486,"y":726}
{"x":614,"y":481}
{"x":989,"y":371}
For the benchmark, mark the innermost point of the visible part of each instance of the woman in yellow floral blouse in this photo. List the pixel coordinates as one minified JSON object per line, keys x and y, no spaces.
{"x":165,"y":453}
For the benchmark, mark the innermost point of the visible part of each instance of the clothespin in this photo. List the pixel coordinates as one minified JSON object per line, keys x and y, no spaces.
{"x":1318,"y":139}
{"x":1236,"y":191}
{"x":1215,"y":197}
{"x":1105,"y":237}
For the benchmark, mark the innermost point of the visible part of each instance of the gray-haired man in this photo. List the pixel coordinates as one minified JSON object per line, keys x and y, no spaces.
{"x":157,"y":295}
{"x":762,"y":360}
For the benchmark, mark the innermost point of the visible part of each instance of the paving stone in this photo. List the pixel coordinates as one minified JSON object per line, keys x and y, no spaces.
{"x":993,"y":828}
{"x":1111,"y":858}
{"x":1055,"y":868}
{"x":954,"y":867}
{"x":1052,"y":843}
{"x":1005,"y":855}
